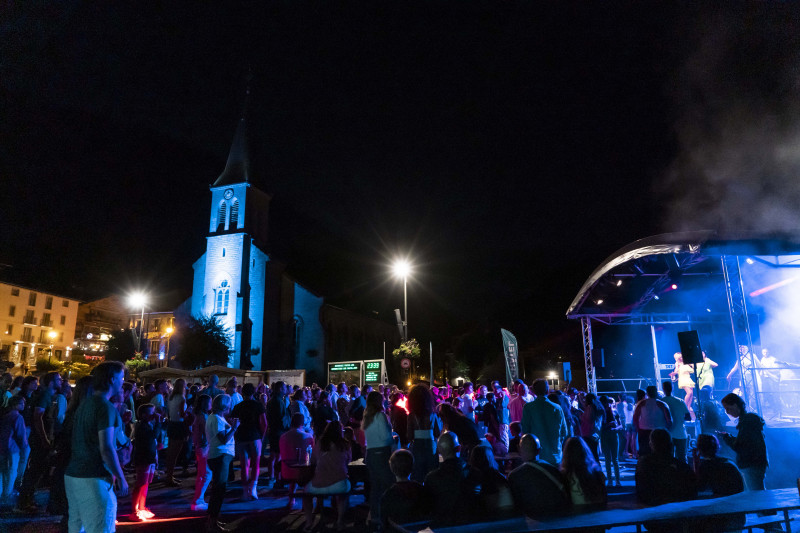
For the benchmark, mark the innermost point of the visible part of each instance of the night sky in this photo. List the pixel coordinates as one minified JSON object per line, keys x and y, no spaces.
{"x":506,"y":148}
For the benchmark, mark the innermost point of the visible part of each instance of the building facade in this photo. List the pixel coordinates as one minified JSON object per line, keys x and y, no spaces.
{"x":35,"y":324}
{"x":272,"y":321}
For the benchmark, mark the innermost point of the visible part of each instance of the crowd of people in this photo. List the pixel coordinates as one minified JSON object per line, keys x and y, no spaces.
{"x":442,"y":455}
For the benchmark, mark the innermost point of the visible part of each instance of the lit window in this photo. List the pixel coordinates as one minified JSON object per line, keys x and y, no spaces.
{"x":234,"y":214}
{"x":223,"y":294}
{"x":223,"y":211}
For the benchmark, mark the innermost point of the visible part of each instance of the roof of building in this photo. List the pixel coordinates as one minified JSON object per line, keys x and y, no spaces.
{"x":632,"y":277}
{"x":237,"y":168}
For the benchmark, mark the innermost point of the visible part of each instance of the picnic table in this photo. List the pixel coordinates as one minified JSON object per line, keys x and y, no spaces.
{"x":777,"y":500}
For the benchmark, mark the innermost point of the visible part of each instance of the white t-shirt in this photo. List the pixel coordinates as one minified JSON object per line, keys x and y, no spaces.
{"x":215,"y":425}
{"x":235,"y":398}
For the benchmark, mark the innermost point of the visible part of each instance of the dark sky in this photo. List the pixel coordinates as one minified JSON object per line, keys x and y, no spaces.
{"x":507,"y":148}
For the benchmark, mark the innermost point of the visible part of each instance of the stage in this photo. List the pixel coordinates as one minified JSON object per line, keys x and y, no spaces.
{"x":740,"y":293}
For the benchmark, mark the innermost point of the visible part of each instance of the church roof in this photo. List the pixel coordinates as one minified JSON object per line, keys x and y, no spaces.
{"x":237,"y":169}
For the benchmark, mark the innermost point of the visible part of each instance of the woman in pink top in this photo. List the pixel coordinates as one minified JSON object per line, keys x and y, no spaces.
{"x":331,"y":456}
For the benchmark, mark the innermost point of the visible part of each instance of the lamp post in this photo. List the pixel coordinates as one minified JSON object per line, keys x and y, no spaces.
{"x":52,"y":336}
{"x":402,"y":269}
{"x":137,"y":300}
{"x":169,"y":334}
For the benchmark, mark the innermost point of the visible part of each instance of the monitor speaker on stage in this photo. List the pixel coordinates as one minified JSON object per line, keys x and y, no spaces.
{"x":690,"y":347}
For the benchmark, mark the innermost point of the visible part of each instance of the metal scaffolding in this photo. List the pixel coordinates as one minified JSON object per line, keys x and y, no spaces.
{"x":740,"y":327}
{"x":588,"y":345}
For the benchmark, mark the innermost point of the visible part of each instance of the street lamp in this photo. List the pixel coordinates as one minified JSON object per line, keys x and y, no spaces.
{"x":169,"y":334}
{"x":402,"y":269}
{"x":52,"y":336}
{"x":137,"y":300}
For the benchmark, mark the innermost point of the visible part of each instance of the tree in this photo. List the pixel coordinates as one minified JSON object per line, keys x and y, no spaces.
{"x":408,"y":349}
{"x":121,"y":346}
{"x":136,"y":365}
{"x":204,"y":342}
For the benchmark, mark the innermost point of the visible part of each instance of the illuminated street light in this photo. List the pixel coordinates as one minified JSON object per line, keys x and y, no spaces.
{"x":169,"y":334}
{"x":402,"y":269}
{"x":137,"y":300}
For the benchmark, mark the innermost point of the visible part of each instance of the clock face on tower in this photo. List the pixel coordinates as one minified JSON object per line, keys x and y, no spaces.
{"x":228,"y":194}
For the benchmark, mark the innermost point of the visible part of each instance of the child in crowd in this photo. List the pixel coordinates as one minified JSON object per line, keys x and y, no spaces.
{"x":355,"y":447}
{"x":145,"y":455}
{"x":405,"y":501}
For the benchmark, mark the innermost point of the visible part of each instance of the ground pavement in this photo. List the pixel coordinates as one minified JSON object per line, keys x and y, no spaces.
{"x":171,"y":507}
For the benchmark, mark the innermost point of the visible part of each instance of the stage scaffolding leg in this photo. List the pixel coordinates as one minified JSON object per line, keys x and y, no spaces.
{"x":588,"y":345}
{"x":656,"y":366}
{"x":740,"y":327}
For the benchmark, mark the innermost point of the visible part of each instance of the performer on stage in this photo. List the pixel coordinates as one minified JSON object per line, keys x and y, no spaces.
{"x":751,"y":361}
{"x":705,"y":372}
{"x":685,"y":382}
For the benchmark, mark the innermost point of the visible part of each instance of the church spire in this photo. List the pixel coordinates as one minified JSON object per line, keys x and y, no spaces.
{"x":237,"y":169}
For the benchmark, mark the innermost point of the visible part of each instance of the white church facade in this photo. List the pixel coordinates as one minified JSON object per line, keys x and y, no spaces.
{"x":272,"y":321}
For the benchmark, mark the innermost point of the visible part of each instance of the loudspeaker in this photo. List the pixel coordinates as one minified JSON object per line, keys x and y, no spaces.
{"x":690,"y":347}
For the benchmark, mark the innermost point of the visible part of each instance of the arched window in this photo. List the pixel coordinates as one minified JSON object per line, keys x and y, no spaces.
{"x":234,"y":214}
{"x":223,"y":210}
{"x":223,"y":295}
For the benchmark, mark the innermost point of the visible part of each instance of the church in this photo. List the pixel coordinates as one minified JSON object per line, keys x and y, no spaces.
{"x":273,"y":321}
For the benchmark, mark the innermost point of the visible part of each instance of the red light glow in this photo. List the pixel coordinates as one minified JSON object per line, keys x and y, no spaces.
{"x":774,"y":286}
{"x":402,"y":403}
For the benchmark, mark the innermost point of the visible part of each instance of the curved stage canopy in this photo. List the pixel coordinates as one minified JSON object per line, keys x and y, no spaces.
{"x":740,"y":290}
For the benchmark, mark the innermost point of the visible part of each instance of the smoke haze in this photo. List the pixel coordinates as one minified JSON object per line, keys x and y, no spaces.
{"x":737,"y":126}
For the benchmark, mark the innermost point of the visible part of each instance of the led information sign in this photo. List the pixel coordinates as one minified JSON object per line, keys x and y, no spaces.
{"x":375,"y":365}
{"x":343,"y":367}
{"x":371,"y":377}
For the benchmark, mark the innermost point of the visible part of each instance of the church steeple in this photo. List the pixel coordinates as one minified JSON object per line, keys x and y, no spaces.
{"x":237,"y":169}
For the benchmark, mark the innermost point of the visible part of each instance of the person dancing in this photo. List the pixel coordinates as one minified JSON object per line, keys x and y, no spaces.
{"x":685,"y":382}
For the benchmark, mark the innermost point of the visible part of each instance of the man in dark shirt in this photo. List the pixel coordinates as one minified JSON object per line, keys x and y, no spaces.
{"x":537,"y":486}
{"x":454,"y":487}
{"x":40,"y":440}
{"x":749,"y":443}
{"x":94,"y":469}
{"x":660,"y":477}
{"x":405,"y":501}
{"x":721,"y":477}
{"x":248,"y":436}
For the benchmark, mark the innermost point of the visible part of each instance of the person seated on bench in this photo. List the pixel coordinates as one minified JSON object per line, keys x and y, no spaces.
{"x":454,"y":486}
{"x":721,"y":477}
{"x":331,"y":456}
{"x":537,"y":487}
{"x":495,"y":497}
{"x":662,"y":478}
{"x":406,"y":501}
{"x":294,"y":440}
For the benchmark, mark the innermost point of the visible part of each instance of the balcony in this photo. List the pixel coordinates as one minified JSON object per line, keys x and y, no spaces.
{"x":29,"y":320}
{"x":47,"y":323}
{"x":27,"y":338}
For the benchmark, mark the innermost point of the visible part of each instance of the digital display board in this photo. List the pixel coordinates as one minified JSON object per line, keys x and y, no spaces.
{"x":343,"y":367}
{"x":371,"y":376}
{"x":374,"y":365}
